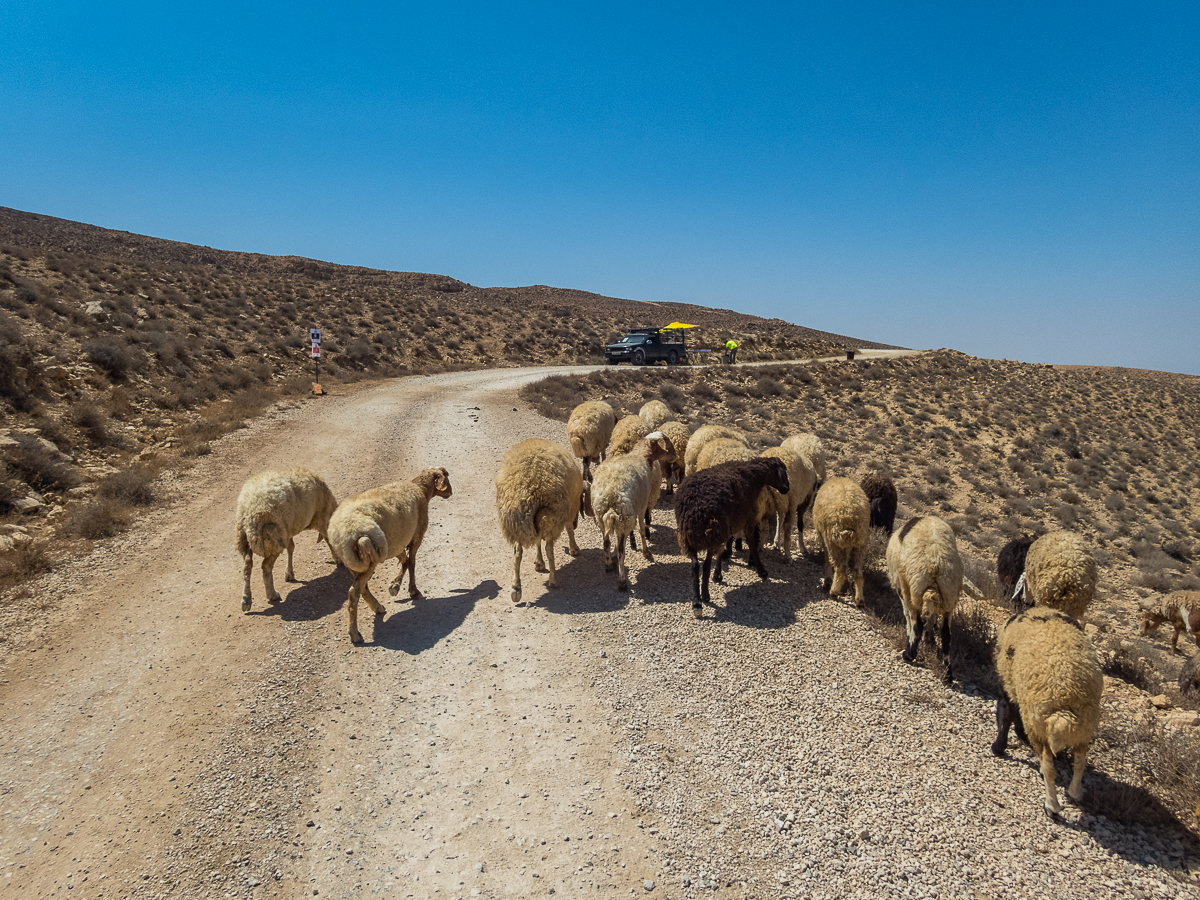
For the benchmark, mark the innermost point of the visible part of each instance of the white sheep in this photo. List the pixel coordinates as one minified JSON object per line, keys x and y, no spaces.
{"x":621,"y":491}
{"x":678,"y":434}
{"x":272,"y":508}
{"x":654,"y":413}
{"x":1061,"y":573}
{"x":378,"y":524}
{"x":539,"y":492}
{"x":1051,"y":685}
{"x":788,"y":508}
{"x":627,"y":432}
{"x":925,"y":569}
{"x":811,"y":449}
{"x":721,"y":450}
{"x":589,"y":429}
{"x":1180,"y":610}
{"x":702,"y":436}
{"x":842,"y":516}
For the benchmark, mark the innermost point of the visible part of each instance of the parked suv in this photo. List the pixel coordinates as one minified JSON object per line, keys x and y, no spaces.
{"x":647,"y":345}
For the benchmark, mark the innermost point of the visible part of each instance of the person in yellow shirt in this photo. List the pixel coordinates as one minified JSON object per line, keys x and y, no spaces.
{"x":731,"y":350}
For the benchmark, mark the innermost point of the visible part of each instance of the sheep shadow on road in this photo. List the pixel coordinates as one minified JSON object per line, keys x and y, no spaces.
{"x":310,"y":600}
{"x":413,"y":626}
{"x":584,"y":586}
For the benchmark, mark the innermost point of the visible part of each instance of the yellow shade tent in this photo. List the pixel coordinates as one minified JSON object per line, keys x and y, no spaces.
{"x":679,"y":325}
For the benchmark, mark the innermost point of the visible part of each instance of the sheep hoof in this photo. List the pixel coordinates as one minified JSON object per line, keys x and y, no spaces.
{"x":908,"y":656}
{"x":394,"y":588}
{"x":516,"y":595}
{"x":275,"y":599}
{"x":355,"y":637}
{"x":762,"y":573}
{"x":415,"y":595}
{"x":1053,"y":810}
{"x":999,"y":749}
{"x":290,"y":576}
{"x":697,"y":610}
{"x":623,"y":586}
{"x":540,"y":567}
{"x":245,"y":604}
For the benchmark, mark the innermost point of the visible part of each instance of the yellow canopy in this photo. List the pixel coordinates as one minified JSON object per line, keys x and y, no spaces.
{"x":680,"y":325}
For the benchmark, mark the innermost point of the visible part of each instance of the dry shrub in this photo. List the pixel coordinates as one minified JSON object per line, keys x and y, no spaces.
{"x":99,"y":518}
{"x":555,"y":397}
{"x":23,"y":563}
{"x":133,"y":486}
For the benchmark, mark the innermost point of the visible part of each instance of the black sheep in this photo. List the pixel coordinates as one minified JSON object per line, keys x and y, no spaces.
{"x":715,"y":504}
{"x":882,"y":493}
{"x":1010,"y":565}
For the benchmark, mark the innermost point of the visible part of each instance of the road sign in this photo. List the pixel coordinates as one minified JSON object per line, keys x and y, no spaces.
{"x":315,"y":335}
{"x":316,"y":351}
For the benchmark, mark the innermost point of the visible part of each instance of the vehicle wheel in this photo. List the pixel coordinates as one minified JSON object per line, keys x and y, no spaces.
{"x":672,"y":358}
{"x":639,"y":357}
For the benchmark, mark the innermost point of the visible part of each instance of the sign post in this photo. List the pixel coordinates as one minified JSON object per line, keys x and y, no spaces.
{"x":314,"y":335}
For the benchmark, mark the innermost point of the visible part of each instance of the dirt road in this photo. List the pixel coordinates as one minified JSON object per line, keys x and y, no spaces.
{"x":159,"y":742}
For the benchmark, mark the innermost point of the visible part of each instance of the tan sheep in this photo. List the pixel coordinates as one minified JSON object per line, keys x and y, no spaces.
{"x":627,"y":432}
{"x":376,"y":525}
{"x":1179,"y":609}
{"x":272,"y":508}
{"x":621,"y":491}
{"x":925,"y":569}
{"x":721,"y":450}
{"x":1051,"y":684}
{"x":589,"y":429}
{"x":1060,"y":573}
{"x":654,"y":413}
{"x":678,"y":434}
{"x":539,"y":492}
{"x":842,"y":516}
{"x":702,"y":436}
{"x":790,"y":507}
{"x":811,"y":449}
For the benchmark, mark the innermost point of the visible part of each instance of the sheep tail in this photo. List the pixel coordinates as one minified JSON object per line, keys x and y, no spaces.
{"x":842,"y":538}
{"x":610,"y":524}
{"x":1060,"y":729}
{"x":264,"y":535}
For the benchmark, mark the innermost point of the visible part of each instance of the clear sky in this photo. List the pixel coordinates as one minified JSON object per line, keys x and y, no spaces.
{"x":1012,"y":180}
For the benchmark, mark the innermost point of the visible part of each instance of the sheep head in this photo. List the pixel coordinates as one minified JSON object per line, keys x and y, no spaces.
{"x":658,"y":446}
{"x":434,"y":483}
{"x":777,"y":476}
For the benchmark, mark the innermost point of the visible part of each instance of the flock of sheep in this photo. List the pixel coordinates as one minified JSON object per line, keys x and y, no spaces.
{"x":1050,"y":675}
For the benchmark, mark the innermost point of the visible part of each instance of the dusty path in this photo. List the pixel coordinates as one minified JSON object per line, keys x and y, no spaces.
{"x":158,"y":742}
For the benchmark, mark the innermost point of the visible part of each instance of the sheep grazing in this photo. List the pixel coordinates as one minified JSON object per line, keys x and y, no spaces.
{"x":626,"y":434}
{"x":621,"y":491}
{"x":881,"y":492}
{"x":381,"y":523}
{"x":702,"y":436}
{"x":714,"y":505}
{"x":788,"y":508}
{"x":925,"y":569}
{"x":842,"y":516}
{"x":654,"y":413}
{"x":722,"y":450}
{"x":1060,"y":573}
{"x":1051,"y":684}
{"x":1180,"y":609}
{"x":272,"y":508}
{"x":539,"y":492}
{"x":1010,"y":567}
{"x":1189,"y":675}
{"x":678,"y":434}
{"x":589,"y":430}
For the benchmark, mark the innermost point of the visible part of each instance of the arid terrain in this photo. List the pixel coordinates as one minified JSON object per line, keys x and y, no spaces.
{"x":159,"y":742}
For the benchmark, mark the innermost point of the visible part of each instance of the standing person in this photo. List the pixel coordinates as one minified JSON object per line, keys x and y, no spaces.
{"x":731,"y":350}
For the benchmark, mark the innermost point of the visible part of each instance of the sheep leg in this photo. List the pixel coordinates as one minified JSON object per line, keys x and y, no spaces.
{"x":551,"y":581}
{"x":414,"y":592}
{"x":356,"y":590}
{"x":394,"y":587}
{"x":800,"y":511}
{"x":609,"y":560}
{"x":518,"y":552}
{"x":716,"y":575}
{"x":646,"y":539}
{"x":622,"y":572}
{"x":827,"y":580}
{"x":1004,"y":721}
{"x":1048,"y":775}
{"x":727,"y":553}
{"x":839,"y":575}
{"x":632,"y":542}
{"x":697,"y":601}
{"x":247,"y":568}
{"x":755,"y":561}
{"x":1175,"y":640}
{"x":1075,"y":791}
{"x":290,"y":575}
{"x":572,"y":547}
{"x":916,"y":630}
{"x":783,"y":534}
{"x":587,"y":469}
{"x":948,"y":678}
{"x":539,"y":564}
{"x":268,"y":574}
{"x":856,"y":569}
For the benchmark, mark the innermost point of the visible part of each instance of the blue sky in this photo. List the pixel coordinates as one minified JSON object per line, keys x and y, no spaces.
{"x":1011,"y":180}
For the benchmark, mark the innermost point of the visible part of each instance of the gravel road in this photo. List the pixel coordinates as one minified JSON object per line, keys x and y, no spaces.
{"x":159,"y":742}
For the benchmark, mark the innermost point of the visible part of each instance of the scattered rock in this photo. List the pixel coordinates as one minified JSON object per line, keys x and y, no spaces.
{"x":1160,"y":701}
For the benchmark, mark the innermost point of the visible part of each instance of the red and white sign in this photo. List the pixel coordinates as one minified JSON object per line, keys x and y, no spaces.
{"x":316,"y":351}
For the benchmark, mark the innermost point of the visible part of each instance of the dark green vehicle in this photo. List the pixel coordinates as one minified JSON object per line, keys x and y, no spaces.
{"x":648,"y":345}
